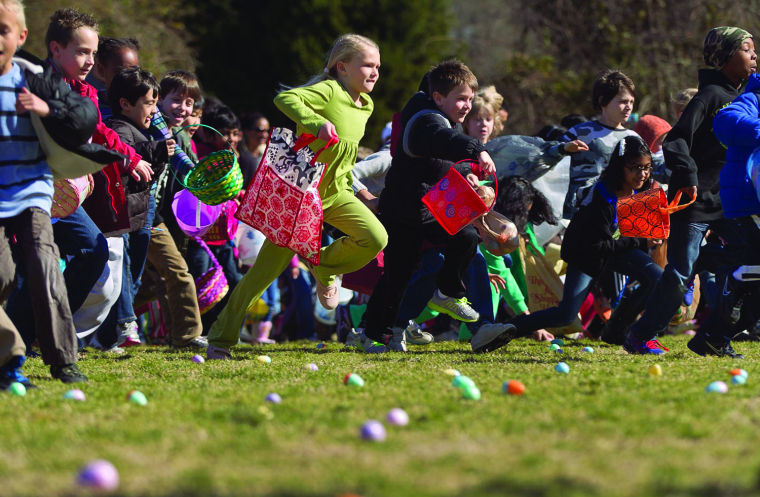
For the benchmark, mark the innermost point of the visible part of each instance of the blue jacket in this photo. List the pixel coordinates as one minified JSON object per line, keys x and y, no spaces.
{"x":737,"y":126}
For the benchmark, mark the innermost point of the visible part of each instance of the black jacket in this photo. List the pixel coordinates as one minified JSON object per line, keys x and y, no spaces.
{"x":591,"y":238}
{"x":425,"y":154}
{"x":693,"y":153}
{"x":152,"y":151}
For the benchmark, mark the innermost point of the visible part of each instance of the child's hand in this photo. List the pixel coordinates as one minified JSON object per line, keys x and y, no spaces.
{"x":575,"y":146}
{"x":473,"y":180}
{"x":29,"y":102}
{"x":170,"y":146}
{"x":487,"y":167}
{"x":327,"y":132}
{"x":542,"y":336}
{"x":142,"y":171}
{"x":497,"y":281}
{"x":653,"y":242}
{"x":368,"y":199}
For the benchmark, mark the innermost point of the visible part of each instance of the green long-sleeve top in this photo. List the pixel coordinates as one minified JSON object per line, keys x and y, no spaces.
{"x":515,"y":294}
{"x":310,"y":107}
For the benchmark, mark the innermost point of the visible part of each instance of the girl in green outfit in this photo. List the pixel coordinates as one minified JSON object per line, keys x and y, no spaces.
{"x":334,"y":104}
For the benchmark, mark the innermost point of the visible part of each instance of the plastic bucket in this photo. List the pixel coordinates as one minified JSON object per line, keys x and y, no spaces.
{"x":647,"y":214}
{"x":193,"y":216}
{"x":453,"y":202}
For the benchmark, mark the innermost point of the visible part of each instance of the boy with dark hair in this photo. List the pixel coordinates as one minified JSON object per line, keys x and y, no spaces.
{"x":431,"y":142}
{"x":114,"y":54}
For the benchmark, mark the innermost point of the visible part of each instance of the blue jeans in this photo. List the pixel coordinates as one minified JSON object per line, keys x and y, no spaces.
{"x":634,"y":263}
{"x":683,"y":250}
{"x":79,"y":238}
{"x":423,"y":284}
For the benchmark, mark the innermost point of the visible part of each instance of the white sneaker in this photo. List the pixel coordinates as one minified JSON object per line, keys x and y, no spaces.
{"x":458,"y":309}
{"x":354,"y":338}
{"x":218,"y":353}
{"x":416,"y":336}
{"x":127,"y":335}
{"x":491,"y":336}
{"x":396,"y":340}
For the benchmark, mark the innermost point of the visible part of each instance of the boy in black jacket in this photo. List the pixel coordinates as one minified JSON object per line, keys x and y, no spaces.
{"x":431,"y":141}
{"x":695,"y":157}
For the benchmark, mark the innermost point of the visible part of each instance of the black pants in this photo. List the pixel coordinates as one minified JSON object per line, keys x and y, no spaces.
{"x":47,"y":289}
{"x":401,"y":257}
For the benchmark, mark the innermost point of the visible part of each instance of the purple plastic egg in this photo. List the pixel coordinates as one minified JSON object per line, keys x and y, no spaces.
{"x":274,"y":398}
{"x":312,"y":367}
{"x":199,"y":359}
{"x":397,"y":417}
{"x":373,"y":430}
{"x":100,"y":475}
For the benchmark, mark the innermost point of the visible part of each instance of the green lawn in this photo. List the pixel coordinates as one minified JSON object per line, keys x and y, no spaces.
{"x":605,"y":429}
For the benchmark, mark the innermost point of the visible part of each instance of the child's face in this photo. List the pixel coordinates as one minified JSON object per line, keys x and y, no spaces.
{"x":11,"y":38}
{"x":619,"y":109}
{"x":176,"y":107}
{"x":480,"y":126}
{"x":124,"y":59}
{"x":636,"y":172}
{"x":142,"y":111}
{"x":742,"y":63}
{"x":78,"y":56}
{"x":360,"y":73}
{"x":194,"y":118}
{"x":257,"y":135}
{"x":456,"y":104}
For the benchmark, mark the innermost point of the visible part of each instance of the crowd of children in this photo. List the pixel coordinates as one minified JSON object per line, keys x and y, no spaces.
{"x":96,"y":152}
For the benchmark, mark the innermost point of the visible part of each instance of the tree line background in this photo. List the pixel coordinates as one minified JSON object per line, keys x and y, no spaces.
{"x":542,"y":55}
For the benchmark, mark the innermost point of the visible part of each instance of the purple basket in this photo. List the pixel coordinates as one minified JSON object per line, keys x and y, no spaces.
{"x":212,"y":285}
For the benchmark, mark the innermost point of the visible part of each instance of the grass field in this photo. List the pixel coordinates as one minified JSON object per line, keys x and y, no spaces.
{"x":605,"y":429}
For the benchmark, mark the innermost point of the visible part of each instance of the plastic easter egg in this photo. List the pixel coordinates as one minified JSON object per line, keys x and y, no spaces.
{"x":739,"y":379}
{"x":373,"y":431}
{"x":717,"y":387}
{"x":99,"y":475}
{"x":451,"y":372}
{"x":397,"y":417}
{"x":554,"y":346}
{"x":136,"y":397}
{"x":199,"y":359}
{"x":690,"y":333}
{"x":311,"y":367}
{"x":274,"y":398}
{"x":558,"y":341}
{"x":320,"y":346}
{"x":75,"y":394}
{"x":265,"y":359}
{"x":562,"y":367}
{"x":353,"y":380}
{"x":655,"y":370}
{"x":17,"y":389}
{"x":738,"y":372}
{"x":513,"y":387}
{"x":462,"y":381}
{"x":559,"y":351}
{"x":471,"y":392}
{"x":588,"y":350}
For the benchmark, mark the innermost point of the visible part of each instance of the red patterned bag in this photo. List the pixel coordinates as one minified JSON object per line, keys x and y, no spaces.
{"x":282,"y":200}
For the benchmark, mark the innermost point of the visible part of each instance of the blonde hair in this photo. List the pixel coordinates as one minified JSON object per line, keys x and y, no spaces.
{"x":17,"y":7}
{"x":344,"y":49}
{"x":489,"y":100}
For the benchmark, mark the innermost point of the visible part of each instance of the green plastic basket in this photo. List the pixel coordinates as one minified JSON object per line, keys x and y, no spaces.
{"x":217,"y":177}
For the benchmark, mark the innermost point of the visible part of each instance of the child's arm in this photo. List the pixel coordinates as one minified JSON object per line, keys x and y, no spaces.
{"x":677,"y":147}
{"x":29,"y":102}
{"x":739,"y":123}
{"x":303,"y":105}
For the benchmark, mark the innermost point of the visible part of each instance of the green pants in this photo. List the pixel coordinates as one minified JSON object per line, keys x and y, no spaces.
{"x":365,"y":238}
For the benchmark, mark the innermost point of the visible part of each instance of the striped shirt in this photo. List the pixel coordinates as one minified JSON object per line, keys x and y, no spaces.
{"x":25,"y":178}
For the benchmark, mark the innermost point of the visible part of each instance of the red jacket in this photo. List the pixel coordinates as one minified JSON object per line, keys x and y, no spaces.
{"x":107,"y":206}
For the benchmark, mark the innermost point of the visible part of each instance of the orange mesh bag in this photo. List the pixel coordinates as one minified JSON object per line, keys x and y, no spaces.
{"x":647,"y":214}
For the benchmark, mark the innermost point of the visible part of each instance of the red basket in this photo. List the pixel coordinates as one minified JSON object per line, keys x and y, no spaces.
{"x":647,"y":214}
{"x":454,"y":203}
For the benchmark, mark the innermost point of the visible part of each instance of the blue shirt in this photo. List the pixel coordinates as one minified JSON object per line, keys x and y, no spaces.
{"x":25,"y":178}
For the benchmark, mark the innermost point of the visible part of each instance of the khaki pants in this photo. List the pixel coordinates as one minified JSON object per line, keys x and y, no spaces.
{"x":11,"y":343}
{"x":39,"y":253}
{"x":183,"y":317}
{"x":365,"y":238}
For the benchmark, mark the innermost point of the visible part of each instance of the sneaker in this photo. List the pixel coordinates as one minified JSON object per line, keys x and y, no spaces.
{"x":327,"y":294}
{"x":614,"y":332}
{"x":702,"y":345}
{"x":113,"y":349}
{"x":396,"y":339}
{"x":196,"y":343}
{"x":218,"y":353}
{"x":633,"y":345}
{"x":415,"y":335}
{"x":354,"y":338}
{"x":491,"y":336}
{"x":370,"y":346}
{"x":10,"y":372}
{"x":68,"y":373}
{"x":458,"y":309}
{"x":127,"y":335}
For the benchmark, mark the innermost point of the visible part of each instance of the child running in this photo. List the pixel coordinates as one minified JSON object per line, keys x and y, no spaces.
{"x":592,"y":243}
{"x":333,"y":104}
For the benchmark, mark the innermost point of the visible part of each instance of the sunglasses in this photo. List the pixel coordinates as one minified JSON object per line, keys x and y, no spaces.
{"x":642,"y":169}
{"x":261,"y":130}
